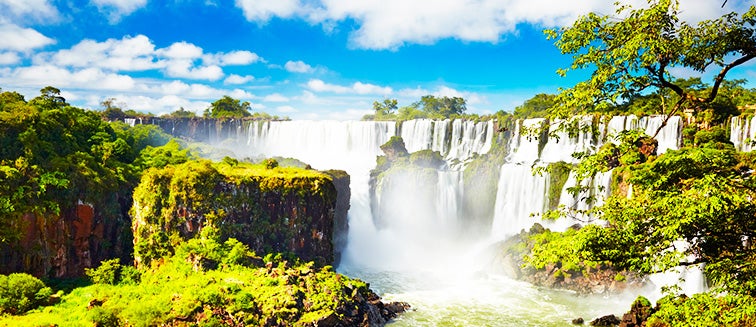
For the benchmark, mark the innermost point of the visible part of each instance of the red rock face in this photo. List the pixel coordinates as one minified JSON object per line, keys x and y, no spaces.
{"x":63,"y":245}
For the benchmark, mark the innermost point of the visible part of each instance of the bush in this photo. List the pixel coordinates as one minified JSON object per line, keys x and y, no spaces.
{"x":107,"y":273}
{"x":22,"y":292}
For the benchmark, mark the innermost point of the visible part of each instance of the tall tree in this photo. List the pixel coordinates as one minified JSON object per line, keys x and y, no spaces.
{"x":228,"y":107}
{"x":638,"y":50}
{"x":443,"y":106}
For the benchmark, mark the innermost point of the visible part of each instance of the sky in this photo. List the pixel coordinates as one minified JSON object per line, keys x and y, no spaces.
{"x":305,"y":59}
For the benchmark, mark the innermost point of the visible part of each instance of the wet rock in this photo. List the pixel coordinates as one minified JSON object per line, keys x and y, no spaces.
{"x":639,"y":312}
{"x":606,"y":321}
{"x":578,"y":321}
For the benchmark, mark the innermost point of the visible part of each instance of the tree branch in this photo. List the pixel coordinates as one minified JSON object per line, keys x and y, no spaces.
{"x":720,"y":77}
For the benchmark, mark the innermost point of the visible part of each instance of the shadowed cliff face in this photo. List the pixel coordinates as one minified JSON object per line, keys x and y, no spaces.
{"x":270,"y":210}
{"x":63,"y":245}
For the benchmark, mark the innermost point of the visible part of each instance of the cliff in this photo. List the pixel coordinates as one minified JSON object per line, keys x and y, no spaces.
{"x":270,"y":209}
{"x":63,"y":245}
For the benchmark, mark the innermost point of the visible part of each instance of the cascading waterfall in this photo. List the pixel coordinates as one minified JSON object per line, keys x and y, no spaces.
{"x":410,"y":250}
{"x":743,"y":133}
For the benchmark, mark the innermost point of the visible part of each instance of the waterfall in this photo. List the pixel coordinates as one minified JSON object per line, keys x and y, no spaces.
{"x":520,"y":193}
{"x":743,"y":133}
{"x":516,"y":203}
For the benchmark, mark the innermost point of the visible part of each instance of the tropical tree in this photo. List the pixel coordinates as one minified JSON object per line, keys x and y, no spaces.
{"x":442,"y":107}
{"x":637,"y":51}
{"x":228,"y":107}
{"x":537,"y":106}
{"x":690,"y":206}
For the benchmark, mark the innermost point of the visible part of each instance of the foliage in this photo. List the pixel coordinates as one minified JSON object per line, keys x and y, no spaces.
{"x":638,"y":53}
{"x":112,"y":272}
{"x":705,"y":310}
{"x":569,"y":252}
{"x":385,"y":110}
{"x":237,"y":292}
{"x":559,"y":172}
{"x":228,"y":107}
{"x":535,"y":107}
{"x":181,"y":113}
{"x":172,"y":203}
{"x":22,"y":292}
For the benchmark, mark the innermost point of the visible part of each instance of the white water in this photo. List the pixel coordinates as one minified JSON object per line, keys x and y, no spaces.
{"x":743,"y":133}
{"x":412,"y":251}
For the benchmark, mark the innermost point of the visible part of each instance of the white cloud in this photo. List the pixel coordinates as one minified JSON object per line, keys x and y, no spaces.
{"x":9,"y":58}
{"x":415,"y":94}
{"x":184,"y":69}
{"x":89,"y":78}
{"x":233,"y":58}
{"x":263,"y":10}
{"x":286,"y":109}
{"x":389,"y":24}
{"x":116,"y":9}
{"x":356,"y":88}
{"x":14,"y":37}
{"x":127,"y":54}
{"x":36,"y":9}
{"x":238,"y":79}
{"x":298,"y":67}
{"x":275,"y":97}
{"x":181,"y":50}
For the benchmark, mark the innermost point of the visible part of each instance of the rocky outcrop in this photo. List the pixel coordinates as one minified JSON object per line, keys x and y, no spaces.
{"x":63,"y":245}
{"x":508,"y":259}
{"x":270,"y":210}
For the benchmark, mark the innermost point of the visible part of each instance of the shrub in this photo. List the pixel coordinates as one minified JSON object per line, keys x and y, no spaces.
{"x":107,"y":273}
{"x":22,"y":292}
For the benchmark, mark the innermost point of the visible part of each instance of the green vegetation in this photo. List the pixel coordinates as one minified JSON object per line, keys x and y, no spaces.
{"x":21,"y":292}
{"x":241,"y":289}
{"x":429,"y":106}
{"x":240,"y":199}
{"x":228,"y":107}
{"x":690,"y":206}
{"x":559,"y":172}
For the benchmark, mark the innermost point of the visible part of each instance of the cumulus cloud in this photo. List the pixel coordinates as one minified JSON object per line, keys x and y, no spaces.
{"x":16,"y":38}
{"x":263,"y":10}
{"x":9,"y":58}
{"x":298,"y":67}
{"x":182,"y":50}
{"x":127,"y":54}
{"x":116,"y":9}
{"x":389,"y":24}
{"x":275,"y":97}
{"x":356,"y":88}
{"x":238,"y":79}
{"x":89,"y":78}
{"x":286,"y":109}
{"x":415,"y":94}
{"x":234,"y":58}
{"x":38,"y":10}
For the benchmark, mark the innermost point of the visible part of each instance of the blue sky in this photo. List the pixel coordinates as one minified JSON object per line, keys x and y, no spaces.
{"x":307,"y":59}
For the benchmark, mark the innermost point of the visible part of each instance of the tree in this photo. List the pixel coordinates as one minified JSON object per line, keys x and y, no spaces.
{"x":182,"y":113}
{"x":228,"y":107}
{"x":637,"y":54}
{"x":49,"y":98}
{"x":535,"y":107}
{"x":442,"y":107}
{"x":689,"y":206}
{"x":386,"y":109}
{"x":111,"y":111}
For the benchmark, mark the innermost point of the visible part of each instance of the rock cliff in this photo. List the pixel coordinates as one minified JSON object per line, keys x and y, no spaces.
{"x":62,"y":245}
{"x":269,"y":209}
